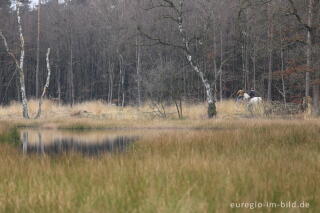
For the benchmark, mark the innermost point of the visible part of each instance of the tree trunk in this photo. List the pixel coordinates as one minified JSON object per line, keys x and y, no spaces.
{"x":282,"y":79}
{"x":309,"y":49}
{"x":254,"y":66}
{"x":270,"y":29}
{"x":25,"y":141}
{"x":138,"y":50}
{"x":110,"y":90}
{"x":122,"y":81}
{"x":46,"y":86}
{"x":221,"y":66}
{"x":244,"y":72}
{"x":313,"y":13}
{"x":21,"y":71}
{"x":315,"y":103}
{"x":215,"y":63}
{"x":38,"y":51}
{"x":282,"y":70}
{"x":210,"y":98}
{"x":58,"y":70}
{"x":71,"y":85}
{"x":19,"y":64}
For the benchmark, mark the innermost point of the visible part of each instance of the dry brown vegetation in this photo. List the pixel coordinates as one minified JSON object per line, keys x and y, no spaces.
{"x":102,"y":110}
{"x":190,"y":165}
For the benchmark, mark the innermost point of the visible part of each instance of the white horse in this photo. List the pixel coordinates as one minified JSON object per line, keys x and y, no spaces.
{"x":254,"y":100}
{"x":255,"y":105}
{"x":252,"y":103}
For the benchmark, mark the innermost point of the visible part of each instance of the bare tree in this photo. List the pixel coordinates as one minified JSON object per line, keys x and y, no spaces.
{"x":270,"y":36}
{"x":20,"y":64}
{"x":178,"y":10}
{"x":38,"y":50}
{"x":46,"y":86}
{"x":311,"y":28}
{"x":138,"y":55}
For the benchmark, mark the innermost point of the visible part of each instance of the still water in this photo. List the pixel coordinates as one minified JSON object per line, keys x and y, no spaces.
{"x":90,"y":143}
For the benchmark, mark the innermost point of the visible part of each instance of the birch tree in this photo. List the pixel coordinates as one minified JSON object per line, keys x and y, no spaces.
{"x":20,"y":68}
{"x":46,"y":86}
{"x":177,"y":8}
{"x":19,"y":64}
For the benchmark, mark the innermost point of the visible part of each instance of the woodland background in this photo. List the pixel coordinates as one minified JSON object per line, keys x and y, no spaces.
{"x":128,"y":51}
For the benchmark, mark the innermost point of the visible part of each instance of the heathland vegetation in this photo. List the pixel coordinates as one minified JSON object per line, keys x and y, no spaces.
{"x":193,"y":164}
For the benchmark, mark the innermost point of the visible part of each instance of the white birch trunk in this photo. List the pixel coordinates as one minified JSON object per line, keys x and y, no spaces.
{"x":46,"y":86}
{"x":21,"y":73}
{"x":205,"y":82}
{"x":19,"y":64}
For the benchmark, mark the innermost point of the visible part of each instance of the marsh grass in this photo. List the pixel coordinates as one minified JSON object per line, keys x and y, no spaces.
{"x":99,"y":115}
{"x":174,"y":171}
{"x":102,"y":110}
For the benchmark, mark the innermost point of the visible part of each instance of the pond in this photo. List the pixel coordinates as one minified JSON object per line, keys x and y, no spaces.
{"x":90,"y":143}
{"x":93,"y":142}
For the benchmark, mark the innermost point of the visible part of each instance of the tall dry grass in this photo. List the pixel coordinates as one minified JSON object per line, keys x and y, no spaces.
{"x":174,"y":171}
{"x":102,"y":110}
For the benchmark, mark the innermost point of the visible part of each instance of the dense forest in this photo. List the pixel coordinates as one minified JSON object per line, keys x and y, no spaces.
{"x":132,"y":51}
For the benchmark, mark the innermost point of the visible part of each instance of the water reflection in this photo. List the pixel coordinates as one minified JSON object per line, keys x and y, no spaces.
{"x":53,"y":142}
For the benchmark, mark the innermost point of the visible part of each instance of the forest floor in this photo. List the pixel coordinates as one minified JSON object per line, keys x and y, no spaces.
{"x":204,"y":165}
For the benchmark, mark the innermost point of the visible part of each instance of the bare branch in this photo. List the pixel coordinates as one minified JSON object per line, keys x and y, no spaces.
{"x":8,"y":49}
{"x":294,"y":12}
{"x":159,"y":41}
{"x":170,"y":18}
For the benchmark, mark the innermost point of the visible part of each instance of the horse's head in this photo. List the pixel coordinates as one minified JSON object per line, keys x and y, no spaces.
{"x":246,"y":96}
